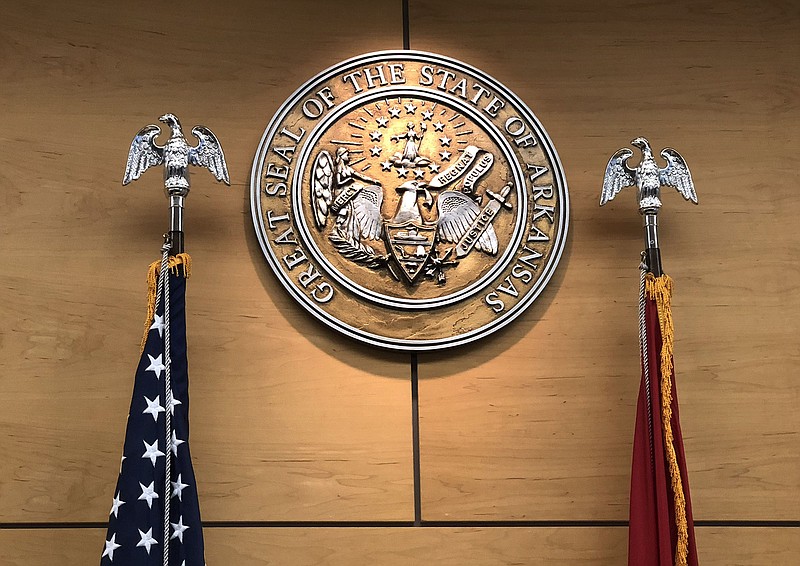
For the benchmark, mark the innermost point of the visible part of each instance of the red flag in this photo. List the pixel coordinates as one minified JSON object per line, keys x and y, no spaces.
{"x":661,"y":531}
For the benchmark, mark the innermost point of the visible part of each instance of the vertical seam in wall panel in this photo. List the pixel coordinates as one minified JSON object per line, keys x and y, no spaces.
{"x":414,"y":372}
{"x":415,"y":440}
{"x":406,"y":26}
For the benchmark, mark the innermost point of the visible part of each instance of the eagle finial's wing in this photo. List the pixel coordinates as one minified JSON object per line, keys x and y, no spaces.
{"x":208,"y":153}
{"x":457,"y":212}
{"x":676,"y":174}
{"x":618,"y":175}
{"x":322,"y":188}
{"x":367,"y":208}
{"x":144,"y":153}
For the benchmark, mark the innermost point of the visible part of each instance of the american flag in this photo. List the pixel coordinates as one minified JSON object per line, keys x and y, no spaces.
{"x":136,"y":529}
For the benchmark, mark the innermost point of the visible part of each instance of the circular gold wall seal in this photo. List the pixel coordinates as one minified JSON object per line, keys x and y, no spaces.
{"x":409,"y":201}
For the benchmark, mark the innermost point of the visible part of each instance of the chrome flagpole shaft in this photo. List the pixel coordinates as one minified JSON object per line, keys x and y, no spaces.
{"x":176,"y":223}
{"x":651,"y":249}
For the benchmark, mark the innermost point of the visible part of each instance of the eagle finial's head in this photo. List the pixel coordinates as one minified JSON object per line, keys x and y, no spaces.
{"x":642,"y":144}
{"x":172,"y":121}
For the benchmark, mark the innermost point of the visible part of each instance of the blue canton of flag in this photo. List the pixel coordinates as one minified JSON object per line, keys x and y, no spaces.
{"x":136,"y":529}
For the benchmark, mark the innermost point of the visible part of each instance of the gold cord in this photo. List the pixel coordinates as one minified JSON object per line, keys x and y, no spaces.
{"x":660,"y":290}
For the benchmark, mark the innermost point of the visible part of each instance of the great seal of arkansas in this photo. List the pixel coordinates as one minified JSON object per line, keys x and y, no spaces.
{"x":409,"y":201}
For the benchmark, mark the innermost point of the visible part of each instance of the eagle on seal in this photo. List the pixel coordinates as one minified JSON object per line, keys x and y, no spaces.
{"x":457,"y":212}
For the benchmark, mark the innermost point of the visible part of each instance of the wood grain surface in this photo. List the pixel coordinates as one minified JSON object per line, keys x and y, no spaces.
{"x":288,"y":420}
{"x":398,"y":546}
{"x":291,"y":422}
{"x":538,"y":422}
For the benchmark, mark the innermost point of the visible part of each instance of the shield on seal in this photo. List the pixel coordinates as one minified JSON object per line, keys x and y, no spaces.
{"x":410,"y":246}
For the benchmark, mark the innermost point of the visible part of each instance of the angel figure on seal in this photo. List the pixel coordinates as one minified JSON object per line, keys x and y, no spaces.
{"x":355,"y":198}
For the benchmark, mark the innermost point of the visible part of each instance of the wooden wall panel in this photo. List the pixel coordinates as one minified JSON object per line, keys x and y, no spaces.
{"x":291,"y":422}
{"x":399,"y":546}
{"x":288,"y":420}
{"x":537,"y":423}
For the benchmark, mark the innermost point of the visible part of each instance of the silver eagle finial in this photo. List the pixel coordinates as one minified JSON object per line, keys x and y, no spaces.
{"x":648,"y":177}
{"x":176,"y":155}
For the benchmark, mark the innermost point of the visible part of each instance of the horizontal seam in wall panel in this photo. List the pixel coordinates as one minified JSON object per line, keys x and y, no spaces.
{"x":713,"y":523}
{"x":407,"y":524}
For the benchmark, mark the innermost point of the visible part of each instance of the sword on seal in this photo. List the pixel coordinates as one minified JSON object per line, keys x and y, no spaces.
{"x":649,"y":178}
{"x":176,"y":155}
{"x":484,"y":219}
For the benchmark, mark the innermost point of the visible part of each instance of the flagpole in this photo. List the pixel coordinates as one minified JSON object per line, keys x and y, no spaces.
{"x":652,"y":252}
{"x":176,"y":155}
{"x":176,"y":201}
{"x":660,"y":530}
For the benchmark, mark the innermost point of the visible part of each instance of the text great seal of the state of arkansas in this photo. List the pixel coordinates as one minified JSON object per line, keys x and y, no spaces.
{"x":409,"y":201}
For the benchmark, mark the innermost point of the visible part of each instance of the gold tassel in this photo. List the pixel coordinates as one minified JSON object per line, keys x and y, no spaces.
{"x":173,"y":262}
{"x":660,"y":290}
